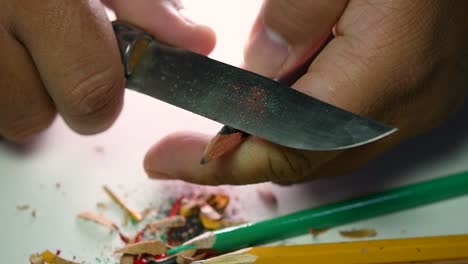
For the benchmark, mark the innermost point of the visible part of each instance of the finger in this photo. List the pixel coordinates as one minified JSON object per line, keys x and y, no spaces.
{"x":362,"y":70}
{"x":74,"y":48}
{"x":178,"y":157}
{"x":163,"y":19}
{"x":25,"y":107}
{"x":286,"y":33}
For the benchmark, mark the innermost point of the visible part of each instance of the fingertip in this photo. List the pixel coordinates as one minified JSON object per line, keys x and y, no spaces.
{"x":204,"y":40}
{"x":166,"y":23}
{"x":176,"y":156}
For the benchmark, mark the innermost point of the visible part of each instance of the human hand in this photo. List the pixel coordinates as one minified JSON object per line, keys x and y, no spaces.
{"x":404,"y":63}
{"x":62,"y":56}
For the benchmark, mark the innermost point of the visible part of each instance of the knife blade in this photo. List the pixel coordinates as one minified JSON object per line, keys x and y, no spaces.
{"x":238,"y":98}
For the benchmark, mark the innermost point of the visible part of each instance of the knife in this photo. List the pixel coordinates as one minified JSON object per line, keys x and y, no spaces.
{"x":238,"y":98}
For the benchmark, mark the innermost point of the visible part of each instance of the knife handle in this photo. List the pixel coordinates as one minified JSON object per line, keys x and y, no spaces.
{"x":132,"y":42}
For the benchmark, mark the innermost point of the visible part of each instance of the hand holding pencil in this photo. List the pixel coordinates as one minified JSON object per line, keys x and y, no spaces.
{"x":393,"y":85}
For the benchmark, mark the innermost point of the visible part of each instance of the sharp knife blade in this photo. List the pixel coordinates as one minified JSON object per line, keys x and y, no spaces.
{"x":238,"y":98}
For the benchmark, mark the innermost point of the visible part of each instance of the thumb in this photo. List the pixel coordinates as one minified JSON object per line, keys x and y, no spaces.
{"x":286,"y":33}
{"x":164,"y":21}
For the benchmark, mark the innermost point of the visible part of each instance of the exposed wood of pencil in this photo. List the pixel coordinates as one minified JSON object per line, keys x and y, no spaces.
{"x":227,"y":139}
{"x":439,"y":249}
{"x":133,"y":213}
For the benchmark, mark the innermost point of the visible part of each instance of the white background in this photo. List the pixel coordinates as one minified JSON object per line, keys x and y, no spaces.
{"x":28,"y":175}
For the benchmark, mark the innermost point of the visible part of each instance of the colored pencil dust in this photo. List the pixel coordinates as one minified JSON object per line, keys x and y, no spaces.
{"x":227,"y":139}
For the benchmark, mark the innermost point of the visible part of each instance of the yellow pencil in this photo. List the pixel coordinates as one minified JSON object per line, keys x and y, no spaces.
{"x":452,"y":249}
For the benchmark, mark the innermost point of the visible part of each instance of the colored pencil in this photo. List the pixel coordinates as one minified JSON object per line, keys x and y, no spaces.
{"x":227,"y":139}
{"x":435,"y":249}
{"x":331,"y":215}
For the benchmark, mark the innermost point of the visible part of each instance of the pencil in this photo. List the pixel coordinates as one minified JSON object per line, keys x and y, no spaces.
{"x":434,"y":249}
{"x":136,"y":216}
{"x":226,"y":140}
{"x":331,"y":215}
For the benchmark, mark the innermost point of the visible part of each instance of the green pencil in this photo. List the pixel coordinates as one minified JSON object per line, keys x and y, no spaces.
{"x":331,"y":215}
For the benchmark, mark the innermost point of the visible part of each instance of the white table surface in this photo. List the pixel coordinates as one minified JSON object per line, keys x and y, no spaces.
{"x":29,"y":174}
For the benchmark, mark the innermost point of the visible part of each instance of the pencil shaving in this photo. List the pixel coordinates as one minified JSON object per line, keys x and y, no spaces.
{"x":147,"y":212}
{"x":316,"y":232}
{"x":36,"y":259}
{"x":101,"y":205}
{"x":189,"y":208}
{"x":49,"y":258}
{"x":208,"y":211}
{"x":209,"y":223}
{"x":188,"y":260}
{"x":185,"y":257}
{"x":135,"y":215}
{"x":192,"y":206}
{"x":151,"y":247}
{"x":218,"y":201}
{"x":168,"y":222}
{"x":232,"y":222}
{"x":126,"y":259}
{"x":23,"y":207}
{"x":98,"y":219}
{"x":359,"y":233}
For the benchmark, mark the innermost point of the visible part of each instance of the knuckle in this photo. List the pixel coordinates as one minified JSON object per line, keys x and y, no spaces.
{"x":286,"y":166}
{"x":94,"y":92}
{"x":23,"y":128}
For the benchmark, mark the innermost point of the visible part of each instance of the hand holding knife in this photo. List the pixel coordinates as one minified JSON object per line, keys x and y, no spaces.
{"x":237,"y":98}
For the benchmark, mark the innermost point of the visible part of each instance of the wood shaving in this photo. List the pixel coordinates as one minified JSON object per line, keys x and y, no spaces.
{"x":232,"y":222}
{"x":23,"y":207}
{"x":210,"y":212}
{"x":126,"y":219}
{"x":189,"y":256}
{"x":189,"y":208}
{"x":168,"y":222}
{"x":98,"y":219}
{"x":359,"y":233}
{"x":36,"y":259}
{"x":316,"y":232}
{"x":185,"y":256}
{"x":219,"y":201}
{"x":151,"y":247}
{"x":148,"y":211}
{"x":126,"y":259}
{"x":101,"y":205}
{"x":49,"y":258}
{"x":268,"y":196}
{"x":209,"y":223}
{"x":133,"y":213}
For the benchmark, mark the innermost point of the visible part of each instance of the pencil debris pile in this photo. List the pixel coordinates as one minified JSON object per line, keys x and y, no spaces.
{"x":161,"y":228}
